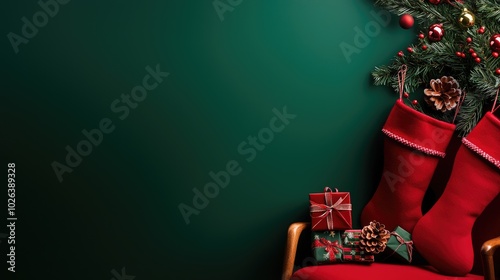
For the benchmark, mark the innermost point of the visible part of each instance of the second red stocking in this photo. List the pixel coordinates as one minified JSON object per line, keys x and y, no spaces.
{"x":443,"y":235}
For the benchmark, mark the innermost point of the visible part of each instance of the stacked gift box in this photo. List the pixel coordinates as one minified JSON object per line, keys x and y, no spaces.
{"x":352,"y":250}
{"x":334,"y":240}
{"x":327,"y":246}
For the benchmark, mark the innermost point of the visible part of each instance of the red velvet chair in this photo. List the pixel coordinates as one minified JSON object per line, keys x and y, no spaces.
{"x":386,"y":271}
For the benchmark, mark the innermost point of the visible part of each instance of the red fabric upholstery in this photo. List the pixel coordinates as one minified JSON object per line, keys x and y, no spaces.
{"x":374,"y":271}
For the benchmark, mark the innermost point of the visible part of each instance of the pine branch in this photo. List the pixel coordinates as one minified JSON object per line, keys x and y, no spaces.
{"x":418,"y":9}
{"x":470,"y":114}
{"x":475,"y":74}
{"x":489,"y":10}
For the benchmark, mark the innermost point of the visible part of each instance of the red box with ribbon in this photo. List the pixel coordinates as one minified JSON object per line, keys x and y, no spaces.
{"x":330,"y":210}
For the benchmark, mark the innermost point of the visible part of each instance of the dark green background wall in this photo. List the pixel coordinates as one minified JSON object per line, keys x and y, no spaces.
{"x":119,"y":206}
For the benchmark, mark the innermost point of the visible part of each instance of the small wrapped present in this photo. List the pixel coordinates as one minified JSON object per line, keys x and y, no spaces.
{"x":355,"y":254}
{"x":400,"y":245}
{"x":350,"y":238}
{"x":330,"y":210}
{"x":327,"y":247}
{"x":352,"y":251}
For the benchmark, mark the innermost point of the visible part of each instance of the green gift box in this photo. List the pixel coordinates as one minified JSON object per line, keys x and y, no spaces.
{"x":400,"y":245}
{"x":327,"y":246}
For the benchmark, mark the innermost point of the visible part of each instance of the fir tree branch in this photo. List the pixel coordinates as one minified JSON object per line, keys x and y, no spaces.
{"x":476,"y":76}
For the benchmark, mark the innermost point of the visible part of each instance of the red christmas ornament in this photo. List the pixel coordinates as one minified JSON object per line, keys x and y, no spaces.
{"x":414,"y":102}
{"x":406,"y":95}
{"x":471,"y":50}
{"x":406,"y":21}
{"x":468,"y":40}
{"x":494,"y":54}
{"x":436,"y":32}
{"x":435,"y":2}
{"x":478,"y":60}
{"x":400,"y":53}
{"x":495,"y":43}
{"x":421,"y":36}
{"x":481,"y":30}
{"x":474,"y":55}
{"x":424,"y":47}
{"x":459,"y":54}
{"x":497,"y":71}
{"x":463,"y":55}
{"x":410,"y":49}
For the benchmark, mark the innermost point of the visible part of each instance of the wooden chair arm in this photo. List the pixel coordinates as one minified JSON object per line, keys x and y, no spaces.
{"x":487,"y":251}
{"x":294,"y":231}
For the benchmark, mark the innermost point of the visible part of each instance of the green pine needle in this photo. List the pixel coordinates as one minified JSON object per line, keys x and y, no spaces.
{"x":477,"y":80}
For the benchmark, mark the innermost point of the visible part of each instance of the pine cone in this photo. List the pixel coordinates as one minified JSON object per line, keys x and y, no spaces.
{"x":374,"y":238}
{"x":444,"y":93}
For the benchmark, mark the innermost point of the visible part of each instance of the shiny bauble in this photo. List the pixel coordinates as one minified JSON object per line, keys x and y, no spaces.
{"x":466,"y":19}
{"x":495,"y":43}
{"x":436,"y":32}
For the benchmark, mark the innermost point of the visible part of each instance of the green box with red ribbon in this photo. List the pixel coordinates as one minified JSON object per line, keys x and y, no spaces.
{"x":330,"y":210}
{"x":327,"y":246}
{"x":338,"y":246}
{"x":400,"y":245}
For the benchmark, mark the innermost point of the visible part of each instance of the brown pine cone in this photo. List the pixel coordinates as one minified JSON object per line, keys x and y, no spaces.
{"x":444,"y":93}
{"x":374,"y":238}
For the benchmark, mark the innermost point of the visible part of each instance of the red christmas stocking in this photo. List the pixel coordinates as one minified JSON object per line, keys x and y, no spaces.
{"x":413,"y":145}
{"x":443,"y":235}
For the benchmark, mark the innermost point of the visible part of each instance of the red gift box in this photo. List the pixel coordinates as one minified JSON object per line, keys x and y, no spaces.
{"x":330,"y":210}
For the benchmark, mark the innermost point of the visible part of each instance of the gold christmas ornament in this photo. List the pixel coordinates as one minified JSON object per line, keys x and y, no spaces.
{"x":374,"y":237}
{"x":444,"y":93}
{"x":466,"y":19}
